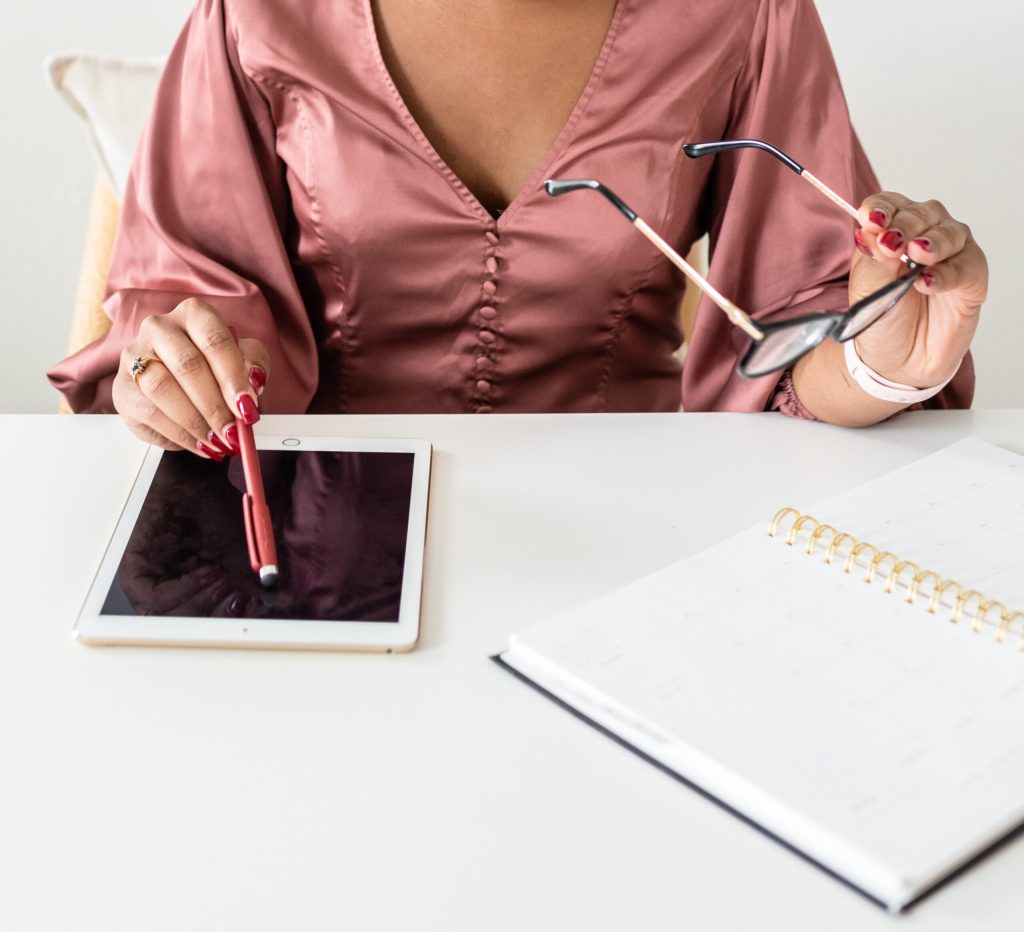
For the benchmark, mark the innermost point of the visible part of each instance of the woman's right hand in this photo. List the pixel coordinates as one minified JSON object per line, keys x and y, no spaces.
{"x":196,"y":378}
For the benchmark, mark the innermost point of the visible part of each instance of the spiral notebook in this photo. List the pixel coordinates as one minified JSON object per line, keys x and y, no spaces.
{"x":848,"y":677}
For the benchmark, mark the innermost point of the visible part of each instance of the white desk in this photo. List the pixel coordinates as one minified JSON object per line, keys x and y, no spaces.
{"x":151,"y":789}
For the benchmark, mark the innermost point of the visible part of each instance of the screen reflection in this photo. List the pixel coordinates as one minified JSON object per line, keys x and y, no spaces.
{"x":340,"y":523}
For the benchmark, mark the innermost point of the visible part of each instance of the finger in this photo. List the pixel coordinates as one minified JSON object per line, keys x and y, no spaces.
{"x":210,"y":334}
{"x":966,"y":271}
{"x":146,"y":433}
{"x":940,"y":242}
{"x":909,"y":222}
{"x":867,"y":276}
{"x":865,"y":242}
{"x":141,"y":401}
{"x":188,"y":366}
{"x":134,"y":408}
{"x":257,"y":363}
{"x":876,"y":213}
{"x":878,"y":210}
{"x":158,"y":384}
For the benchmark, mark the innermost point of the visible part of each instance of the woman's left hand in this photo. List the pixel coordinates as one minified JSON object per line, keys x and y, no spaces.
{"x":922,"y":340}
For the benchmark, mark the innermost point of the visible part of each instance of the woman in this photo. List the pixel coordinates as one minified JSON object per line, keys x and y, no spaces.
{"x":355,"y":188}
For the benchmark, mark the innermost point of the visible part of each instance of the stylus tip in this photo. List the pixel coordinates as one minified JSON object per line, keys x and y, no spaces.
{"x":268,"y":576}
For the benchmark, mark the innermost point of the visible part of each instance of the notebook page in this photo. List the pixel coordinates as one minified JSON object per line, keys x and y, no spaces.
{"x":884,"y":741}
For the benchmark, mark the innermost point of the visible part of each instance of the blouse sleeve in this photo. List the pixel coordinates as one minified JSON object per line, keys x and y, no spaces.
{"x":204,"y":211}
{"x":780,"y":249}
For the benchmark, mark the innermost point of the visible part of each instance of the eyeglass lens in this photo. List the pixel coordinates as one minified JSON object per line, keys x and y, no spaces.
{"x":863,"y":314}
{"x":783,"y":346}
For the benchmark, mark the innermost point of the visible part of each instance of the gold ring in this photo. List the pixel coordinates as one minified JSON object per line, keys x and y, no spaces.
{"x":139,"y":364}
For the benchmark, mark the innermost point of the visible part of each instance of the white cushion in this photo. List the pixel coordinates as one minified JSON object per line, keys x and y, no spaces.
{"x":112,"y":96}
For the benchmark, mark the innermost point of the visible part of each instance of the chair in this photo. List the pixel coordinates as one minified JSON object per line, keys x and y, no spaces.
{"x":88,"y":321}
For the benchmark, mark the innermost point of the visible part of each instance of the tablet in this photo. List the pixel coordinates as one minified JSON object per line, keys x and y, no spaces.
{"x":349,"y":519}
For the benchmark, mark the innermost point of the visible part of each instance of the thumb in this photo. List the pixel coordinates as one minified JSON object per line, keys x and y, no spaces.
{"x":873,"y":266}
{"x":877,"y":261}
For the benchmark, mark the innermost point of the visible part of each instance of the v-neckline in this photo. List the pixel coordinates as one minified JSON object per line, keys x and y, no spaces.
{"x":555,"y":150}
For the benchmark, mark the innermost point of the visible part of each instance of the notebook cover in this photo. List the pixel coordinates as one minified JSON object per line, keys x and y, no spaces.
{"x":618,"y":739}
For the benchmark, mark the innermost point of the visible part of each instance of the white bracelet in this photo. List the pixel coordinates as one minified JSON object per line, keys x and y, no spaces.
{"x":878,"y":386}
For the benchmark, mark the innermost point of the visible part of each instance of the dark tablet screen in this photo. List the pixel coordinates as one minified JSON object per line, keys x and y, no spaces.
{"x":340,"y":523}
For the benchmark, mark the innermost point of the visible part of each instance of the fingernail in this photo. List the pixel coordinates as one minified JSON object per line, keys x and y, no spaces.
{"x":878,"y":217}
{"x":257,"y":379}
{"x":928,"y":278}
{"x":893,"y":240}
{"x":214,"y":441}
{"x":231,"y":433}
{"x":214,"y":455}
{"x":247,"y":410}
{"x":922,"y":243}
{"x":861,"y":245}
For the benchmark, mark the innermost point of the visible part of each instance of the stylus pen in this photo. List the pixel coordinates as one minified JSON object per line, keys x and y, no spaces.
{"x":259,"y":532}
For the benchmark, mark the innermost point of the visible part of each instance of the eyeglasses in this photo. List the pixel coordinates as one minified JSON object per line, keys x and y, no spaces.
{"x":779,"y":345}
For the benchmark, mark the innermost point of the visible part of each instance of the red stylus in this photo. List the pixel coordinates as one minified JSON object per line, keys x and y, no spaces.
{"x":259,"y":532}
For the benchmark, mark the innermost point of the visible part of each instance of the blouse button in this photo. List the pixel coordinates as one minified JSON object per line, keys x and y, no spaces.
{"x":487,"y":336}
{"x":488,"y":313}
{"x":483,"y":386}
{"x":491,"y":265}
{"x":491,"y":237}
{"x":490,"y":288}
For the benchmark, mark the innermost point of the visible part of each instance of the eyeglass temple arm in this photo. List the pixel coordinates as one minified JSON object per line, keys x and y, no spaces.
{"x":739,"y":317}
{"x":696,"y":150}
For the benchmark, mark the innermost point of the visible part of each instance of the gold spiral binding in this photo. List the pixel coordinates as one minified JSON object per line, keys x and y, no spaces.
{"x":916,"y":585}
{"x":940,"y":590}
{"x":838,"y":542}
{"x":983,"y":610}
{"x":962,"y":598}
{"x":894,"y":578}
{"x":819,"y":531}
{"x":851,"y":559}
{"x":876,"y":561}
{"x":797,"y":525}
{"x":1004,"y":626}
{"x":902,"y":573}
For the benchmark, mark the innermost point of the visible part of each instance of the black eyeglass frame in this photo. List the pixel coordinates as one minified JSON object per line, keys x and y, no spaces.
{"x":894,"y":290}
{"x":839,"y":322}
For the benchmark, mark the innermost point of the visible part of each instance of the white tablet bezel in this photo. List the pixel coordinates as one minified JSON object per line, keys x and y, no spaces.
{"x":92,"y":627}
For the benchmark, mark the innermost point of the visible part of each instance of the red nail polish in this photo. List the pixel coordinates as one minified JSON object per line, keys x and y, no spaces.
{"x":861,"y":245}
{"x":922,"y":243}
{"x":247,"y":409}
{"x":878,"y":217}
{"x":214,"y":441}
{"x":214,"y":455}
{"x":257,"y":379}
{"x":893,"y":240}
{"x":928,"y":278}
{"x":231,"y":433}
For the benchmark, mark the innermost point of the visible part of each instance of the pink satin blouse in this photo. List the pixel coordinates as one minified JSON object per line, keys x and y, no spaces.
{"x":282,"y":178}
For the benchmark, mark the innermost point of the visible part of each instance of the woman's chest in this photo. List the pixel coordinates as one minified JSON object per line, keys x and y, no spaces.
{"x":382,"y":183}
{"x":491,"y":84}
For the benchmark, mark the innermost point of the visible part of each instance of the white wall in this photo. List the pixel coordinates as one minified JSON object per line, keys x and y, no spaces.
{"x":934,"y":87}
{"x":47,"y":173}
